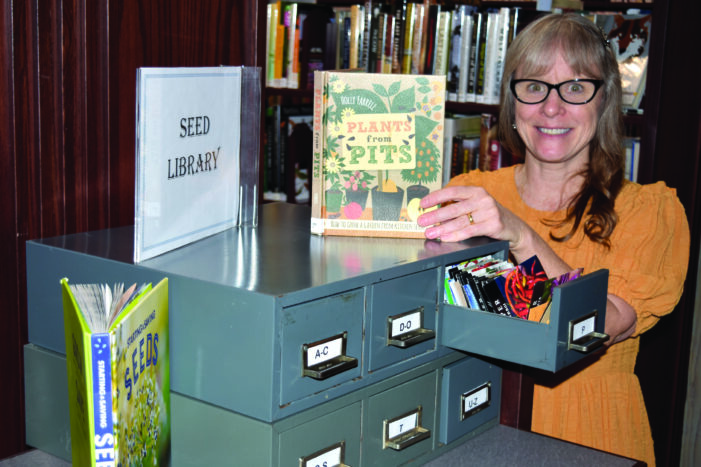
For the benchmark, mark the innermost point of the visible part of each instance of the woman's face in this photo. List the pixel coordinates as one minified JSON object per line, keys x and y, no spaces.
{"x":554,"y":131}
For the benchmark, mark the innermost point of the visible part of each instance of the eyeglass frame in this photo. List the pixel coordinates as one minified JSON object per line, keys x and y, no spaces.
{"x":596,"y":82}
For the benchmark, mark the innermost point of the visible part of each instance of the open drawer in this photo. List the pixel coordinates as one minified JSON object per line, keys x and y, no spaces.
{"x":576,"y":328}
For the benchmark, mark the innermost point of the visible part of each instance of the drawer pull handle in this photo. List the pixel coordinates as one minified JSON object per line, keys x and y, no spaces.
{"x":333,"y":455}
{"x":327,"y":357}
{"x":406,"y":329}
{"x":404,"y":431}
{"x":583,"y":336}
{"x":409,"y":439}
{"x":412,"y":338}
{"x":596,"y":341}
{"x":331,"y":368}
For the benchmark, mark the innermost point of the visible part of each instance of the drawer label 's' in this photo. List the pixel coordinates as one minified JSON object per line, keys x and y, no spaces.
{"x":320,"y":353}
{"x":406,"y":323}
{"x":475,"y":400}
{"x":331,"y":456}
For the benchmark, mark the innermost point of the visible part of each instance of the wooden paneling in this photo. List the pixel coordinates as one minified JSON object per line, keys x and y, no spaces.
{"x":11,"y":331}
{"x":67,"y":106}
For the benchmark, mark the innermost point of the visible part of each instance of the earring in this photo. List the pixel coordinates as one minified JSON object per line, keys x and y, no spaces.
{"x":513,"y":125}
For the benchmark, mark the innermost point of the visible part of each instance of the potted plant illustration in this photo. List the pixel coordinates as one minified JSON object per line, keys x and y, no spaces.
{"x":428,"y":155}
{"x":357,"y":187}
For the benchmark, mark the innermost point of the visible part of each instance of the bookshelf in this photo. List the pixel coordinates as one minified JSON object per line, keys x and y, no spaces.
{"x":638,"y":125}
{"x":670,"y":153}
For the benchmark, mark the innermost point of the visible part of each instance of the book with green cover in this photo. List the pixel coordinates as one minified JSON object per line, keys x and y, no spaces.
{"x":117,"y":360}
{"x":377,"y":150}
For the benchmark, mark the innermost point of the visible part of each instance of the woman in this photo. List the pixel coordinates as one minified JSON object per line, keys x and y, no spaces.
{"x":568,"y":203}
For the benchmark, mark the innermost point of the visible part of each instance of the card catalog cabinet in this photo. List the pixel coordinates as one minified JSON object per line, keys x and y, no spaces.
{"x":268,"y":324}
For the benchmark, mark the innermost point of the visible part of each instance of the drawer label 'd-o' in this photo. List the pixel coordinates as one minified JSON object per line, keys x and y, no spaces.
{"x":406,"y":323}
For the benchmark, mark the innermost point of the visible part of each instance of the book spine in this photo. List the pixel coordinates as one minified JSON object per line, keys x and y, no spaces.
{"x":292,"y":46}
{"x":103,"y":428}
{"x":355,"y":52}
{"x":274,"y":18}
{"x":455,"y":53}
{"x":346,"y":42}
{"x":504,"y":21}
{"x":418,"y":48}
{"x":482,"y":59}
{"x":398,"y":41}
{"x":474,"y":57}
{"x":431,"y":36}
{"x":373,"y":40}
{"x":466,"y":39}
{"x":442,"y":44}
{"x":317,"y":222}
{"x":368,"y":27}
{"x":389,"y":44}
{"x":380,"y":46}
{"x":279,"y":80}
{"x":408,"y":41}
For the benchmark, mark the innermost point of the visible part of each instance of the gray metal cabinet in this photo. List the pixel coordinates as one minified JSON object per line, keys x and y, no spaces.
{"x":306,"y":347}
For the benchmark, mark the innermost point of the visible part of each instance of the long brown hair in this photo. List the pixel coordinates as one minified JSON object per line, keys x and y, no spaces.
{"x":586,"y":51}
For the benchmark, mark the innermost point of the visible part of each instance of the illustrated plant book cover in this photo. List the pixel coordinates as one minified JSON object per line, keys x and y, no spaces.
{"x":377,"y":149}
{"x":117,"y":361}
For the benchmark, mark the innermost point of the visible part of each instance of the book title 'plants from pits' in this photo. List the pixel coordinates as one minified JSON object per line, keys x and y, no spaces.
{"x":376,"y":135}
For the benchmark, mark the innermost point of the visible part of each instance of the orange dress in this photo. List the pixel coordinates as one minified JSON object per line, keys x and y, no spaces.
{"x":602,"y":405}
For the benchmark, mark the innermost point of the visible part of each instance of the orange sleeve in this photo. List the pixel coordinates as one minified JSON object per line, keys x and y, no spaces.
{"x":651,"y":256}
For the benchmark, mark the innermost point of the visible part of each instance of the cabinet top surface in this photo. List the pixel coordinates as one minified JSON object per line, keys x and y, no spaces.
{"x":278,"y":256}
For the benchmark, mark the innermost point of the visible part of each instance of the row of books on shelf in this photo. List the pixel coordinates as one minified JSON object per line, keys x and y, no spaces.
{"x":498,"y":286}
{"x":464,"y":42}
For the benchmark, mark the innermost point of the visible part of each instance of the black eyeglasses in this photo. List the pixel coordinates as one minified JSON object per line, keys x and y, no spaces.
{"x":574,"y":91}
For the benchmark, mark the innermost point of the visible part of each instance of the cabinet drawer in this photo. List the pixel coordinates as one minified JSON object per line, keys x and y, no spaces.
{"x":331,"y":439}
{"x":402,"y":320}
{"x":575,"y":330}
{"x":400,"y":422}
{"x":321,"y":344}
{"x":470,"y":397}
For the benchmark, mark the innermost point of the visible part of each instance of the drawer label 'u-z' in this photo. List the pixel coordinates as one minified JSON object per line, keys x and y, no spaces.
{"x":475,"y":400}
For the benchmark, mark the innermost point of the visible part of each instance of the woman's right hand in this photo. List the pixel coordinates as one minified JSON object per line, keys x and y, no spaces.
{"x":463,"y":212}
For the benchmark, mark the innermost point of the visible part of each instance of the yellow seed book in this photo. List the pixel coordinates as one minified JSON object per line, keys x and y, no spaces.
{"x":377,"y":150}
{"x":118,"y":373}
